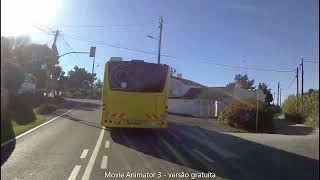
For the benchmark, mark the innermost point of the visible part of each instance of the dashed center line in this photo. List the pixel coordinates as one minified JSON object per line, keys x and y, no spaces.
{"x":107,"y":145}
{"x":84,"y":153}
{"x":93,"y":157}
{"x":74,"y":172}
{"x":104,"y":162}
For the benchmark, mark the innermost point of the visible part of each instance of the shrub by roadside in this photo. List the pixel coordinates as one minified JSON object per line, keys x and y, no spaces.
{"x":307,"y":113}
{"x":84,"y":94}
{"x":46,"y":108}
{"x":19,"y":122}
{"x":242,"y":114}
{"x":24,"y":112}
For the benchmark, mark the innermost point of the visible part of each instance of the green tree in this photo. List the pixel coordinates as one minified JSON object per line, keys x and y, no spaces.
{"x":98,"y":84}
{"x":58,"y":80}
{"x":12,"y":73}
{"x":38,"y":60}
{"x":12,"y":76}
{"x":266,"y":91}
{"x":79,"y":78}
{"x":243,"y":81}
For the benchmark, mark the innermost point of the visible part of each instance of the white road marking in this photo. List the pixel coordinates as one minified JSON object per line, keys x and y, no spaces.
{"x":107,"y":145}
{"x":93,"y":157}
{"x":203,"y":156}
{"x":74,"y":172}
{"x":104,"y":162}
{"x":84,"y":153}
{"x":33,"y":129}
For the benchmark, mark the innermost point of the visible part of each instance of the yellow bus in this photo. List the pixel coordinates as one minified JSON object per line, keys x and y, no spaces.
{"x":135,"y":94}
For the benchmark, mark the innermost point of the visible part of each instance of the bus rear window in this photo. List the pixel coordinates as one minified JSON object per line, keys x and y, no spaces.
{"x":134,"y":76}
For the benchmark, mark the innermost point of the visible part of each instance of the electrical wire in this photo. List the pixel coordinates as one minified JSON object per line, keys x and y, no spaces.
{"x":312,"y":62}
{"x":169,"y":56}
{"x":119,"y":47}
{"x":292,"y":82}
{"x":243,"y":67}
{"x":102,"y":26}
{"x":44,"y":31}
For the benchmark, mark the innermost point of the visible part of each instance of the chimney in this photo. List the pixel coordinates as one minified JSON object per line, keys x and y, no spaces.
{"x":179,"y":76}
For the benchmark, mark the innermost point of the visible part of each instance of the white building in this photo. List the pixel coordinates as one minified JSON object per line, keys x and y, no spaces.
{"x":179,"y":86}
{"x":186,"y":97}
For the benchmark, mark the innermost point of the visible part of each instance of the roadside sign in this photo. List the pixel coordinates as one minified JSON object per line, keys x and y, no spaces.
{"x":92,"y":51}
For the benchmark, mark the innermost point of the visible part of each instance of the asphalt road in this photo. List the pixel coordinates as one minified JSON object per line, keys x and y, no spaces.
{"x":75,"y":146}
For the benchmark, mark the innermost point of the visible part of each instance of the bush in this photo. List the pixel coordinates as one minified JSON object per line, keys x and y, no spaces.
{"x":242,"y":114}
{"x":94,"y":94}
{"x":308,"y":113}
{"x":45,"y":108}
{"x":87,"y":94}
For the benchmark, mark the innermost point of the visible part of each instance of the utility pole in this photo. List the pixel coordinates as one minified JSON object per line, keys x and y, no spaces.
{"x":280,"y":97}
{"x":94,"y":58}
{"x":278,"y":94}
{"x":297,"y":76}
{"x":302,"y":78}
{"x":257,"y":111}
{"x":160,"y":36}
{"x":54,"y":45}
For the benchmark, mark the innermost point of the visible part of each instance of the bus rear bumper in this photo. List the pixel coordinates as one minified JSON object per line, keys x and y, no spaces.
{"x":143,"y":124}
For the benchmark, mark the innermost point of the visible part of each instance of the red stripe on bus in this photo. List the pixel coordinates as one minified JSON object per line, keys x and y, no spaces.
{"x":155,"y":116}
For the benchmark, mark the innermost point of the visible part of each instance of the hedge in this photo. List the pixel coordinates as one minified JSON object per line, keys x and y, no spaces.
{"x":242,"y":114}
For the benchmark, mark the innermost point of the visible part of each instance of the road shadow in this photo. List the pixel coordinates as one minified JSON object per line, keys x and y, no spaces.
{"x":77,"y":120}
{"x":87,"y":106}
{"x":232,"y":157}
{"x":290,"y":128}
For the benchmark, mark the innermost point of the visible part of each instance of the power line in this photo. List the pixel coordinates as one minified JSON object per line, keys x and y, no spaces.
{"x":101,"y":26}
{"x":48,"y":28}
{"x":252,"y":68}
{"x":175,"y":57}
{"x":119,"y":47}
{"x":311,"y":61}
{"x":293,"y":80}
{"x":196,"y":12}
{"x":44,"y":31}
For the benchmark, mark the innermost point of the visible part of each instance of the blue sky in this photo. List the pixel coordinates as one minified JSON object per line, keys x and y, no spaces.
{"x":253,"y":33}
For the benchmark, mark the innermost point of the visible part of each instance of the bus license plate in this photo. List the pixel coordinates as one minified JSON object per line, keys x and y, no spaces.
{"x":135,"y":122}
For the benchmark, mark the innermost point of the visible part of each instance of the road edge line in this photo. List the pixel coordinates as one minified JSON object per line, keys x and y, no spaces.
{"x":40,"y":125}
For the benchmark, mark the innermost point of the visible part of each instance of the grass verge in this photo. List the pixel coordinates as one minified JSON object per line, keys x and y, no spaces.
{"x":15,"y":126}
{"x":21,"y":128}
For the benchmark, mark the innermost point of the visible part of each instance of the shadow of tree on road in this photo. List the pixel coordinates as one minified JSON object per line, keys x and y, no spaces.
{"x":290,"y":128}
{"x":233,"y":157}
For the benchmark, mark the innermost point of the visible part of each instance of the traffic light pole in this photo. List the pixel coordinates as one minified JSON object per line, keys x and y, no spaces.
{"x":94,"y":58}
